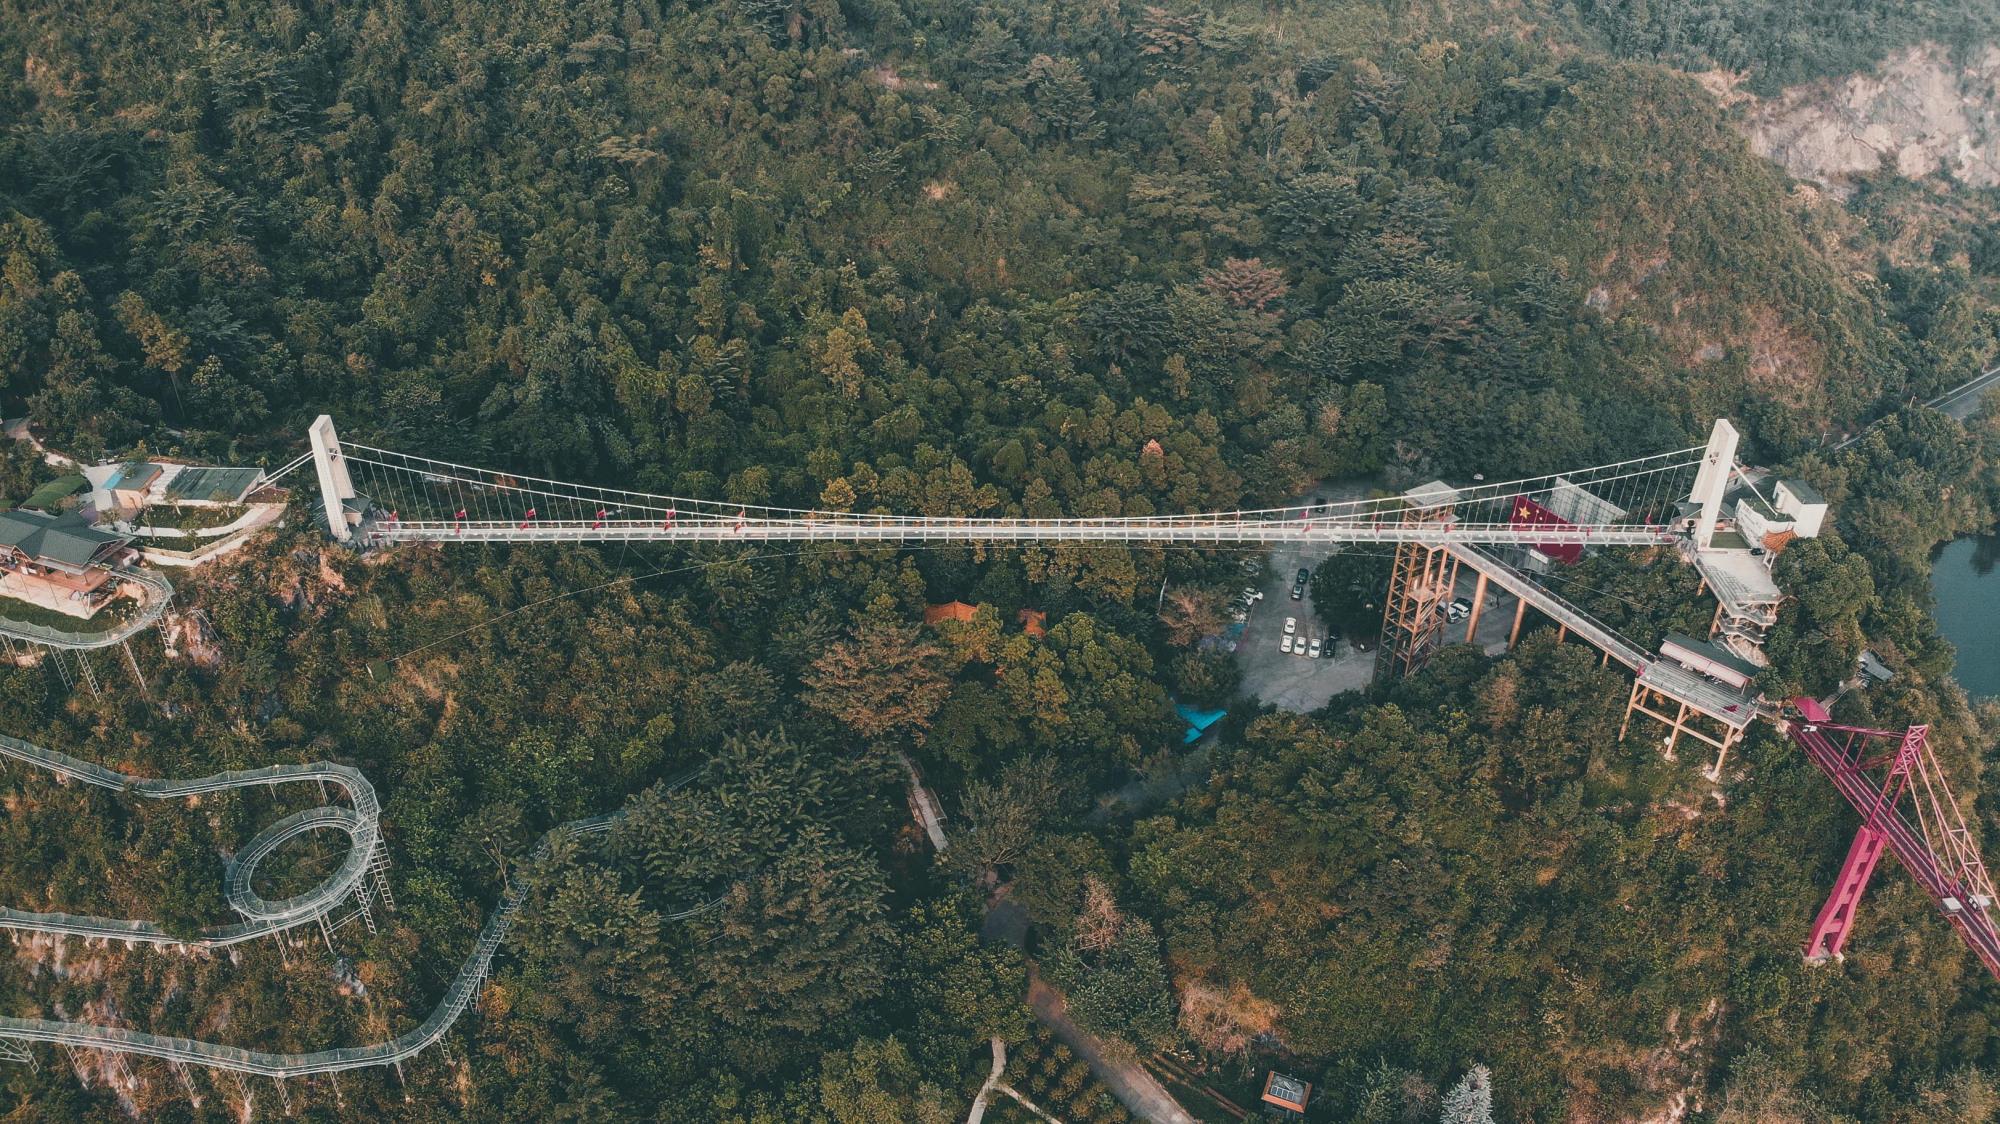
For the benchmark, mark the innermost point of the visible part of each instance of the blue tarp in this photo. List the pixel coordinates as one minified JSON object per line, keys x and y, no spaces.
{"x":1198,"y":721}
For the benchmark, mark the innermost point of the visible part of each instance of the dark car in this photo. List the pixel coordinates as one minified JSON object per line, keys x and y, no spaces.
{"x":1305,"y":576}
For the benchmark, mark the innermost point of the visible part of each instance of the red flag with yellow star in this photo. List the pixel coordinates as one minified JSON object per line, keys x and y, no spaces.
{"x":1528,"y":513}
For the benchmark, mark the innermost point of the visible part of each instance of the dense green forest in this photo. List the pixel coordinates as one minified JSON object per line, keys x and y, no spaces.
{"x":1053,"y":257}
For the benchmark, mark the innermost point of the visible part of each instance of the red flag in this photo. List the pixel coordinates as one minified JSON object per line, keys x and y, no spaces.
{"x":742,"y":517}
{"x":460,"y":516}
{"x":529,"y":518}
{"x":1528,"y":513}
{"x":667,"y":524}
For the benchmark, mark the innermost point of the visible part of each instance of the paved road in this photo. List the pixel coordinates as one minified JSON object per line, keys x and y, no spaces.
{"x":978,"y":1112}
{"x":1960,"y":402}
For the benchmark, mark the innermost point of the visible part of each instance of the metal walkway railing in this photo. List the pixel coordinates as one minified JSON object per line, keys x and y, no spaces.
{"x":362,"y":822}
{"x":458,"y":996}
{"x":159,"y":592}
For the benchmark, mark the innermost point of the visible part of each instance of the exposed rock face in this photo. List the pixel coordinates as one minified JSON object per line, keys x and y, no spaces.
{"x":1920,"y":111}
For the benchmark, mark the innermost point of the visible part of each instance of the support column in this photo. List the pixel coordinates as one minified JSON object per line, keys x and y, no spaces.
{"x":1478,"y":604}
{"x":1631,"y":704}
{"x":1562,"y":632}
{"x":1712,"y":479}
{"x":1836,"y":917}
{"x":133,"y":662}
{"x":1729,"y":736}
{"x":1680,"y":723}
{"x":1520,"y":612}
{"x":335,"y":488}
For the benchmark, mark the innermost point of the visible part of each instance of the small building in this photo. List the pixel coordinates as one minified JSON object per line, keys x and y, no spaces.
{"x":1873,"y":669}
{"x":1712,"y":660}
{"x":1804,"y":504}
{"x":1285,"y":1097}
{"x":130,"y":487}
{"x":59,"y":559}
{"x":1197,"y":721}
{"x":949,"y":611}
{"x":1762,"y":524}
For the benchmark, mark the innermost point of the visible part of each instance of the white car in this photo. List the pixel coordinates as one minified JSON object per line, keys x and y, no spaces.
{"x":1285,"y":645}
{"x":1312,"y":649}
{"x":1291,"y":625}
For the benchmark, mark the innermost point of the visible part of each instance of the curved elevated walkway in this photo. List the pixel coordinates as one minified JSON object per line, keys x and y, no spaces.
{"x":263,"y":918}
{"x":158,"y":592}
{"x":464,"y":987}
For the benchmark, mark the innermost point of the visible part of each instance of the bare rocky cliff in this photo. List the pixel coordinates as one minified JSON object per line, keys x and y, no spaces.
{"x":1920,"y":111}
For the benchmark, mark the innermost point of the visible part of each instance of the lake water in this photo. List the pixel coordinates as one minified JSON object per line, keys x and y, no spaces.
{"x":1965,"y":578}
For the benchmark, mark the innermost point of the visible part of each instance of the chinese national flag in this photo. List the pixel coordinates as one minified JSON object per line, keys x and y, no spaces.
{"x":1528,"y":513}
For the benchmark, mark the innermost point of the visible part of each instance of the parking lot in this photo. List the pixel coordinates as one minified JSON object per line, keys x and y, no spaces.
{"x":1295,"y":682}
{"x":1286,"y":680}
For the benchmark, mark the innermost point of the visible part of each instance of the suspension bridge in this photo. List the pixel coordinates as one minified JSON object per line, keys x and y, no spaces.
{"x":372,"y":496}
{"x":379,"y":496}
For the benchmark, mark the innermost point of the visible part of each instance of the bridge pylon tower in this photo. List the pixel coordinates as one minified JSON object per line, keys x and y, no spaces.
{"x":1420,"y":583}
{"x":336,"y":487}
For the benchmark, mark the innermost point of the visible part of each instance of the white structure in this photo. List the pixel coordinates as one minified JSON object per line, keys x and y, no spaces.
{"x":1712,"y":480}
{"x":1757,"y":520}
{"x":334,"y":484}
{"x":1804,"y":504}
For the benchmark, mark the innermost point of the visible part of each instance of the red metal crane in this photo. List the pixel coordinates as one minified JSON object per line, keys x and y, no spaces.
{"x":1875,"y":770}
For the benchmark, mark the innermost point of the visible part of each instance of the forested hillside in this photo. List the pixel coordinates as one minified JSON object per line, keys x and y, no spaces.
{"x":1054,"y":257}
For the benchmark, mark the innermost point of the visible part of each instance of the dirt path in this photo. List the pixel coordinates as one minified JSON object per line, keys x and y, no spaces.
{"x":1120,"y":1072}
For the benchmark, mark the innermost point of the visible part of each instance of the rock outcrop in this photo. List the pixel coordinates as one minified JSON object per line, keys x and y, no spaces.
{"x":1920,"y":112}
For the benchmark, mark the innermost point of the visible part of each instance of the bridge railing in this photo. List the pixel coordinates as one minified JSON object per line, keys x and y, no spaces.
{"x":413,"y":497}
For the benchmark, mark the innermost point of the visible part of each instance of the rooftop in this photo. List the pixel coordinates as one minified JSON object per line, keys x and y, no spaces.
{"x":949,"y":611}
{"x":1738,"y":577}
{"x":1437,"y":493}
{"x":1286,"y":1092}
{"x":66,"y":539}
{"x":1715,"y":652}
{"x":50,"y":495}
{"x":213,"y":485}
{"x":1805,"y":492}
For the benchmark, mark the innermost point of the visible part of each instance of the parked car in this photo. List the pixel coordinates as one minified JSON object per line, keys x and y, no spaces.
{"x":1298,"y":592}
{"x":1460,"y":609}
{"x":1285,"y":645}
{"x":1291,"y":625}
{"x":1305,"y":576}
{"x":1313,"y":648}
{"x":1252,"y":593}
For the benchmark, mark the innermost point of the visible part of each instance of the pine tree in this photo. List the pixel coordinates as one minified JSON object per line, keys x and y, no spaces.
{"x":1471,"y":1101}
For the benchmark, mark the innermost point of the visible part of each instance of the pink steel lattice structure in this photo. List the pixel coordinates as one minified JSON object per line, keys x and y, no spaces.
{"x":1874,"y":770}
